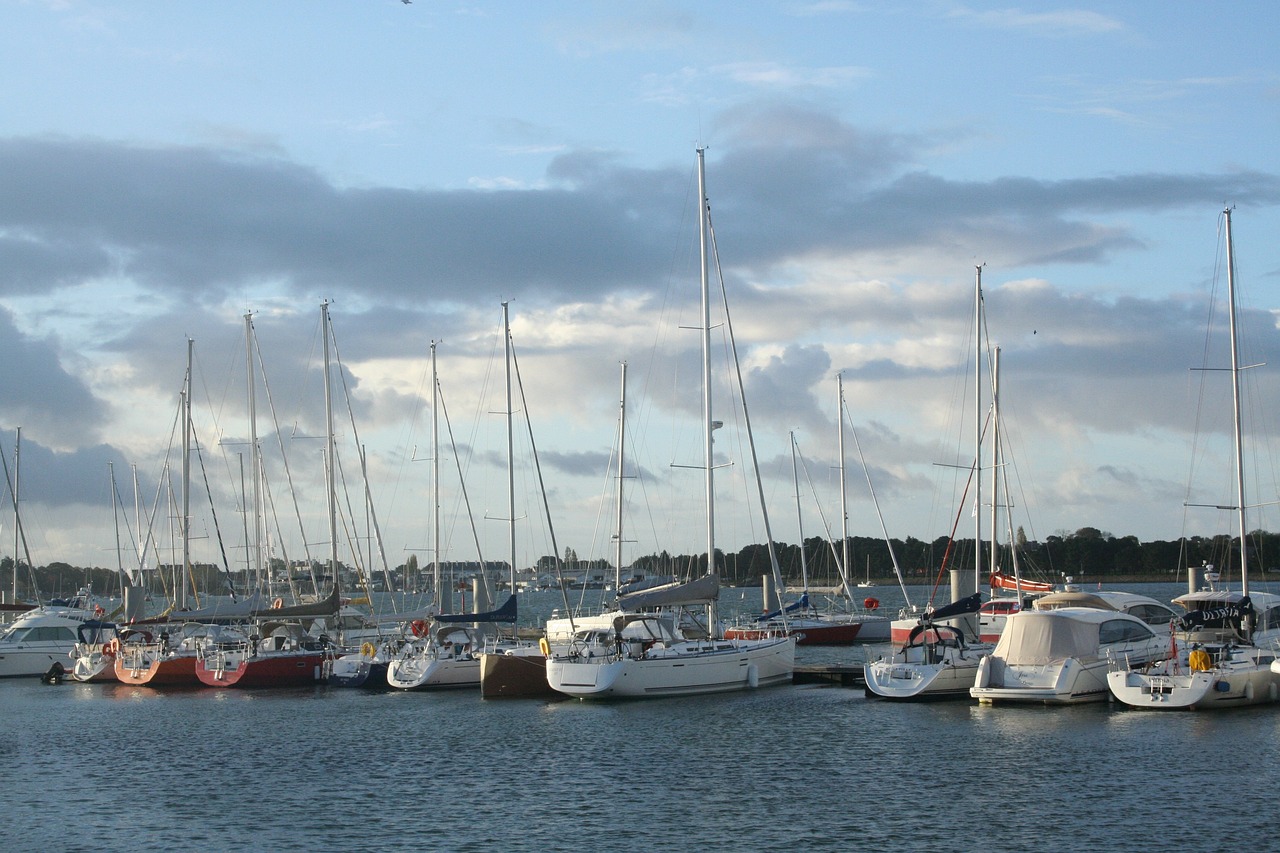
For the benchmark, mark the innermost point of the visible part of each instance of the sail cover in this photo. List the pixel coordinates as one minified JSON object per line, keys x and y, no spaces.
{"x":799,"y":604}
{"x":505,"y":613}
{"x":969,"y":604}
{"x":1227,"y":614}
{"x":703,"y":590}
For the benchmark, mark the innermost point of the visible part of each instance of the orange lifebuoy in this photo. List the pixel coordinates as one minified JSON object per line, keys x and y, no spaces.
{"x":111,"y":647}
{"x":871,"y":603}
{"x":277,"y":604}
{"x":418,"y":627}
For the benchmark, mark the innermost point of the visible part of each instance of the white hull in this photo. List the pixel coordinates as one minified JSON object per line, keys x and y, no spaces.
{"x":1248,"y":677}
{"x":916,"y":675}
{"x":38,"y":639}
{"x":1067,"y":682}
{"x":683,"y":669}
{"x":426,"y":672}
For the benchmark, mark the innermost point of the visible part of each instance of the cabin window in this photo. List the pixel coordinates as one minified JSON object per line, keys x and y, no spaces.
{"x":1153,"y":614}
{"x":1272,"y":620}
{"x":1123,"y":631}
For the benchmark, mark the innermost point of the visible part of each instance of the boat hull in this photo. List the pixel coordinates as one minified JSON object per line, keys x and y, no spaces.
{"x":172,"y":670}
{"x":275,"y":670}
{"x":820,"y":632}
{"x":429,"y":673}
{"x":515,"y":676}
{"x":693,"y":669}
{"x":95,"y":667}
{"x":1248,"y":678}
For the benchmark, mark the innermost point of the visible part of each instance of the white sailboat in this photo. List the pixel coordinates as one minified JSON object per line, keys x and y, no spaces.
{"x":933,"y":656}
{"x":448,"y":656}
{"x":660,"y":663}
{"x":1221,"y":663}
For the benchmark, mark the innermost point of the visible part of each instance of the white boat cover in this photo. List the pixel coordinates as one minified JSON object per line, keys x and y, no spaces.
{"x":1035,"y":638}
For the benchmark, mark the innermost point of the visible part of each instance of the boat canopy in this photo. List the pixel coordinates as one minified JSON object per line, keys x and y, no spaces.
{"x":703,"y":590}
{"x":1055,"y":600}
{"x":1036,"y":638}
{"x":505,"y":613}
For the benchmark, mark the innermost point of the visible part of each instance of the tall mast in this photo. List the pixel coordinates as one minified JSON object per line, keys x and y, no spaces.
{"x":1235,"y":402}
{"x":707,"y":422}
{"x":795,"y":478}
{"x":511,"y":476}
{"x":186,"y":476}
{"x":996,"y":457}
{"x":977,"y":434}
{"x":622,"y":445}
{"x":435,"y":480}
{"x":844,"y":511}
{"x":255,"y":458}
{"x":330,"y":448}
{"x":17,"y":471}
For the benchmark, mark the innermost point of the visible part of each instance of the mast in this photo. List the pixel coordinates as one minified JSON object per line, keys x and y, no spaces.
{"x":622,"y":444}
{"x":844,"y":510}
{"x":996,"y":459}
{"x":255,"y":459}
{"x":1235,"y":406}
{"x":330,"y":449}
{"x":17,"y":472}
{"x":707,"y":423}
{"x":186,"y":477}
{"x":435,"y":478}
{"x":977,"y":434}
{"x":795,"y":478}
{"x":511,"y":476}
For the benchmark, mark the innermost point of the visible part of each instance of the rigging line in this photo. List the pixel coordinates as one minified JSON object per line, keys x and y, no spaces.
{"x":893,"y":557}
{"x":204,"y":475}
{"x":475,"y":533}
{"x":537,"y":466}
{"x":284,"y":455}
{"x":746,"y":415}
{"x":355,"y":434}
{"x":22,"y":530}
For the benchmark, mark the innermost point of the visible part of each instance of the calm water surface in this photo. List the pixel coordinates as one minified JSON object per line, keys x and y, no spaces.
{"x":90,"y":767}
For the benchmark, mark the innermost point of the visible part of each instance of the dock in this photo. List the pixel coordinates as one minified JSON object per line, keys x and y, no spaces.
{"x":839,"y":675}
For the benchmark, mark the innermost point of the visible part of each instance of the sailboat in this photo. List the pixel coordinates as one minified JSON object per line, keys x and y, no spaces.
{"x":521,"y":670}
{"x":936,"y":653}
{"x":647,"y":659}
{"x":449,"y":655}
{"x":1221,"y":663}
{"x":277,"y":651}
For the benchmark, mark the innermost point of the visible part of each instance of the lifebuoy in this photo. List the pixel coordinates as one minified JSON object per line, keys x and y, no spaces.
{"x":871,"y":603}
{"x":368,"y":650}
{"x":277,"y":604}
{"x":544,"y":647}
{"x":418,"y":627}
{"x":111,"y":647}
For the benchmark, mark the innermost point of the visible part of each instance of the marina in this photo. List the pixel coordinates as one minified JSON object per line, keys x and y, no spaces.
{"x":336,"y":769}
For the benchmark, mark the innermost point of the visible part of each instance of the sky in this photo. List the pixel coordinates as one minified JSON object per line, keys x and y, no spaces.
{"x":169,"y":168}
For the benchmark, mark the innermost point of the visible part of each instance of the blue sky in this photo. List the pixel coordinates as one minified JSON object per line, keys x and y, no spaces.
{"x":168,"y":167}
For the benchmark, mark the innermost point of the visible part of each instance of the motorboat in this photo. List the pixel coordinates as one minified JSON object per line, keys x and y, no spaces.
{"x":1061,"y":656}
{"x":43,"y":636}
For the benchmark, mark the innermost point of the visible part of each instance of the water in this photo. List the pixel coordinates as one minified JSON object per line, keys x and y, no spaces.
{"x":793,"y":768}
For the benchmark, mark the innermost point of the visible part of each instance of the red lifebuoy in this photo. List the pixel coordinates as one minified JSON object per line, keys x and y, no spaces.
{"x":111,"y":647}
{"x":418,"y":627}
{"x":871,"y":603}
